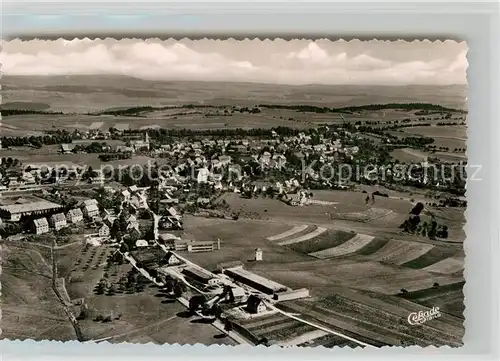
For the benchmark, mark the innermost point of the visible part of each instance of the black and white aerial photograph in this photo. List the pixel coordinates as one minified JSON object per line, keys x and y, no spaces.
{"x":306,"y":193}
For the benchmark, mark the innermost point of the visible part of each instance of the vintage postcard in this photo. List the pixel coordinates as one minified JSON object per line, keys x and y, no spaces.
{"x":279,"y":192}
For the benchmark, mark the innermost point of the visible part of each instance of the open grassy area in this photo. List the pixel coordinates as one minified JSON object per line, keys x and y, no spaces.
{"x":239,"y":239}
{"x":30,"y":308}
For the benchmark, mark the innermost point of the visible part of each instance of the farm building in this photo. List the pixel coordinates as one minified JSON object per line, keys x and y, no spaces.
{"x":200,"y":276}
{"x":255,"y":281}
{"x":58,"y":221}
{"x":255,"y":304}
{"x":193,"y":246}
{"x":74,"y":215}
{"x":14,"y":212}
{"x":291,"y":295}
{"x":258,"y":254}
{"x":40,"y":226}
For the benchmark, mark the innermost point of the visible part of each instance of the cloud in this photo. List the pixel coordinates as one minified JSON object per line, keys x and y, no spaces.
{"x":298,"y":62}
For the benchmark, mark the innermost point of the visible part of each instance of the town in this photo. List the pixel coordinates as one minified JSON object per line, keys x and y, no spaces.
{"x":137,"y":216}
{"x":302,"y":193}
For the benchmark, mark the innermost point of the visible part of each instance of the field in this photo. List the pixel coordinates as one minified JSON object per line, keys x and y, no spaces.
{"x":383,"y":319}
{"x":448,"y":298}
{"x":49,"y":156}
{"x":279,"y":329}
{"x":93,"y":93}
{"x":30,"y":309}
{"x":80,"y":96}
{"x":323,"y":255}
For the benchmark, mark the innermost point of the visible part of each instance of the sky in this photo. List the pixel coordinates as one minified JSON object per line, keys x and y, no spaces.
{"x":294,"y":62}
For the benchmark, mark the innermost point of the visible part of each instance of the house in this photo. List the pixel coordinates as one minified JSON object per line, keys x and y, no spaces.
{"x":171,"y":259}
{"x":203,"y":174}
{"x":169,"y":222}
{"x":255,"y":304}
{"x":109,"y":219}
{"x":134,"y":232}
{"x":125,"y":195}
{"x":90,"y":208}
{"x":67,"y":148}
{"x":141,"y":243}
{"x":58,"y":221}
{"x":104,"y":231}
{"x":258,"y":254}
{"x":237,"y":295}
{"x":123,"y":149}
{"x":225,"y":159}
{"x":202,"y":201}
{"x":132,"y":222}
{"x":40,"y":226}
{"x":74,"y":215}
{"x":138,"y":201}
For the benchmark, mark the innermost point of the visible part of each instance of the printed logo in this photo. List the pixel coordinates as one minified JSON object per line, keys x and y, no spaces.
{"x":420,"y":317}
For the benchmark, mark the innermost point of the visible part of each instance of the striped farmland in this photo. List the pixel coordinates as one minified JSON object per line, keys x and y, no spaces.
{"x":354,"y":244}
{"x":289,"y":233}
{"x":318,"y":231}
{"x":447,"y":266}
{"x":399,"y":252}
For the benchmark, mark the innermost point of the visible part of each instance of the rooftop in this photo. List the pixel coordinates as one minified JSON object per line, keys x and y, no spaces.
{"x":30,"y":207}
{"x":198,"y":273}
{"x":256,"y":278}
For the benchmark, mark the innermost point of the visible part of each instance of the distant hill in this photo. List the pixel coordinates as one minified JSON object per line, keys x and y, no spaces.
{"x":94,"y":93}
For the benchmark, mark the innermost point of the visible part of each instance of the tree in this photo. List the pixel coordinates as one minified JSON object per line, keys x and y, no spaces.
{"x":111,"y":290}
{"x":178,"y":291}
{"x":228,"y":325}
{"x":433,"y":230}
{"x":196,"y":302}
{"x":217,"y":311}
{"x":169,"y":285}
{"x":100,"y":288}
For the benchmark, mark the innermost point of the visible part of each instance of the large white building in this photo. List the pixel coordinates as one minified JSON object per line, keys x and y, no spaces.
{"x":40,"y":226}
{"x":90,"y":208}
{"x":58,"y":221}
{"x":74,"y":215}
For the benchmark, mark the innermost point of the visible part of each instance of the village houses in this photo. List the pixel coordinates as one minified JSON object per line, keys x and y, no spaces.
{"x":58,"y":221}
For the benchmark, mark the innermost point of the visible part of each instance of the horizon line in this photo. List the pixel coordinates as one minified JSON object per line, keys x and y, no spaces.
{"x":224,"y":81}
